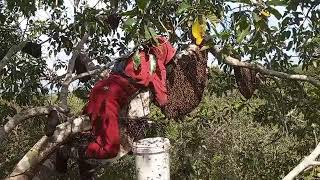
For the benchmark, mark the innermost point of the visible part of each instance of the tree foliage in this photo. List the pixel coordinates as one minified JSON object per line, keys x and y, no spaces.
{"x":227,"y":137}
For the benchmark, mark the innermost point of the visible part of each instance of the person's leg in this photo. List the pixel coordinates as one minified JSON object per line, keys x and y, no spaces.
{"x":61,"y":162}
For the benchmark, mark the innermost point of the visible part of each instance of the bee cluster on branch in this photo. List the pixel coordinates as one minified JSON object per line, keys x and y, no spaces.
{"x":247,"y":80}
{"x":186,"y":81}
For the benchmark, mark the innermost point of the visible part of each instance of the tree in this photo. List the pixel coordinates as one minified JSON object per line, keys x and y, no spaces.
{"x":235,"y":31}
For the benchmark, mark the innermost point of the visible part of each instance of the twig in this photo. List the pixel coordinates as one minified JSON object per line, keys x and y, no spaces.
{"x":96,"y":3}
{"x":45,"y":41}
{"x":94,"y":72}
{"x":25,"y":30}
{"x":164,"y":27}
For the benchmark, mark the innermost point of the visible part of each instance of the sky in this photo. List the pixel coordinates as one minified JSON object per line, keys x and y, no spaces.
{"x":69,"y":4}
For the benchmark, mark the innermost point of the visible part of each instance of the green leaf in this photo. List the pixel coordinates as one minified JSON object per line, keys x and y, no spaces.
{"x":290,"y":44}
{"x":143,"y":4}
{"x":147,"y":34}
{"x":274,"y":28}
{"x":153,"y":63}
{"x":136,"y":60}
{"x":315,"y":64}
{"x":287,"y":34}
{"x":114,"y":4}
{"x":275,"y":12}
{"x":225,"y":35}
{"x":129,"y":22}
{"x":183,"y":7}
{"x":277,"y":2}
{"x":153,"y":35}
{"x":243,"y":22}
{"x":213,"y":19}
{"x":243,"y":34}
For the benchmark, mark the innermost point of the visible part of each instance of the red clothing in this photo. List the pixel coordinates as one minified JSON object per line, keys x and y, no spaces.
{"x":109,"y":95}
{"x":164,"y":54}
{"x":106,"y":99}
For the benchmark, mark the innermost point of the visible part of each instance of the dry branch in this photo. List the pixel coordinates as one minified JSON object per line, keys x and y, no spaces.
{"x":236,"y":62}
{"x":93,"y":72}
{"x":190,"y":50}
{"x":307,"y":162}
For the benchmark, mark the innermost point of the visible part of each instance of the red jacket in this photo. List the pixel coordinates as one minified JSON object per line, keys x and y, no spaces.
{"x":109,"y":95}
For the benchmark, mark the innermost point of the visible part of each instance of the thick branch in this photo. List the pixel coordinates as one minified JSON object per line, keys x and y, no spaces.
{"x":22,"y":116}
{"x":307,"y":162}
{"x":236,"y":62}
{"x":46,"y":145}
{"x":68,"y":78}
{"x":12,"y":51}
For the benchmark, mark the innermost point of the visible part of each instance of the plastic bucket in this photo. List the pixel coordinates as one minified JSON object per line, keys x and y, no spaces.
{"x":152,"y":158}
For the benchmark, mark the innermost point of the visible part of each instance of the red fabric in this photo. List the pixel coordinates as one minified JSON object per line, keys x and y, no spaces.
{"x":106,"y":99}
{"x":109,"y":95}
{"x":164,"y":54}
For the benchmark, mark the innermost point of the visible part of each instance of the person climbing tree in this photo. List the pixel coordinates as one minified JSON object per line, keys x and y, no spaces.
{"x":144,"y":69}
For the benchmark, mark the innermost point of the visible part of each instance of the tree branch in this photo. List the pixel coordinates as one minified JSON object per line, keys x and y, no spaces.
{"x":68,"y":78}
{"x":21,"y":116}
{"x":94,"y":72}
{"x":29,"y":164}
{"x":304,"y":164}
{"x":12,"y":51}
{"x":46,"y":145}
{"x":236,"y":62}
{"x":99,"y":70}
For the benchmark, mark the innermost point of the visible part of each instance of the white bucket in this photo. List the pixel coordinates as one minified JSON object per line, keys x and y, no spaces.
{"x":152,"y":158}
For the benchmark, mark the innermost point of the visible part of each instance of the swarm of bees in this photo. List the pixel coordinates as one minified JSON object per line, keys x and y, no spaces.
{"x":185,"y":84}
{"x":247,"y":81}
{"x":136,"y":128}
{"x":83,"y":64}
{"x":32,"y":49}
